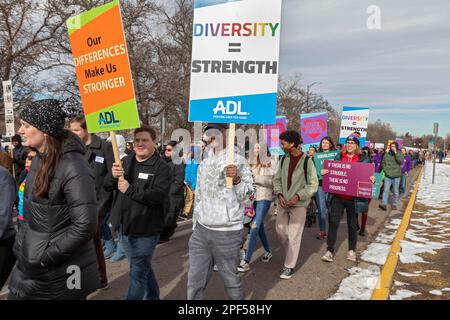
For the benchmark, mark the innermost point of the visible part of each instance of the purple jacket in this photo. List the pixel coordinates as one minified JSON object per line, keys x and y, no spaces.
{"x":377,"y":159}
{"x":407,"y":164}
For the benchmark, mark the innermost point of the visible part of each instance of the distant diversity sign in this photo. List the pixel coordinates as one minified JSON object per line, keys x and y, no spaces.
{"x":272,"y":133}
{"x":349,"y":178}
{"x":235,"y":61}
{"x":103,"y":69}
{"x":354,"y":119}
{"x":9,"y":108}
{"x":313,"y":129}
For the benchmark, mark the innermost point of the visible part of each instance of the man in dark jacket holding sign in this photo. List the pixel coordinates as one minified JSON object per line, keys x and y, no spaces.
{"x":143,"y":182}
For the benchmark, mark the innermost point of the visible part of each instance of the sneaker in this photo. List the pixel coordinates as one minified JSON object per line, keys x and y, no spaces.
{"x":351,"y":255}
{"x":266,"y":257}
{"x":362,"y":232}
{"x":328,"y":257}
{"x":287,"y":273}
{"x":322,"y":235}
{"x":382,"y":207}
{"x":182,"y":218}
{"x":244,"y":266}
{"x":394,"y":207}
{"x":215,"y":269}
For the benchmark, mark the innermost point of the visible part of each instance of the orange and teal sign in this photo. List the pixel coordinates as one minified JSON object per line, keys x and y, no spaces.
{"x":103,"y":69}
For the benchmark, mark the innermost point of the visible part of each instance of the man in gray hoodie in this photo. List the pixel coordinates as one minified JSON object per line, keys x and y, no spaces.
{"x":8,"y":196}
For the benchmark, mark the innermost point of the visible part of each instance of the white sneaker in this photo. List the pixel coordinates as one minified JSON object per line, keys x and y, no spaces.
{"x":266,"y":257}
{"x":244,"y":266}
{"x":351,"y":255}
{"x":215,"y":269}
{"x":328,"y":257}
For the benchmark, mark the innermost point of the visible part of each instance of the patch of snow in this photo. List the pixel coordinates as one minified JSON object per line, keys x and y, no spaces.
{"x":407,"y":274}
{"x":401,"y":294}
{"x":436,"y":292}
{"x":446,"y":289}
{"x":376,"y":253}
{"x":399,"y":283}
{"x":385,"y":238}
{"x":424,"y":221}
{"x":410,"y":250}
{"x":432,"y":271}
{"x":359,"y":285}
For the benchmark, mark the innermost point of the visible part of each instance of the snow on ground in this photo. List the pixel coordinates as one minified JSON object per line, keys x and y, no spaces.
{"x":359,"y":285}
{"x":376,"y":253}
{"x":361,"y":281}
{"x":401,"y":294}
{"x":423,"y":228}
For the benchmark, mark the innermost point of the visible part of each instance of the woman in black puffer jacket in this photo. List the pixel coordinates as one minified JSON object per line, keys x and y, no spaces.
{"x":54,"y":248}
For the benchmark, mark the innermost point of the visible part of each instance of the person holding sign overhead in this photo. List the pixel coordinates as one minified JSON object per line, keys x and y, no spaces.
{"x":143,"y":182}
{"x":218,"y":218}
{"x":340,"y":202}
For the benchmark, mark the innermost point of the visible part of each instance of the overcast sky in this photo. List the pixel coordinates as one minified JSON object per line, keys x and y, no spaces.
{"x":402,"y":71}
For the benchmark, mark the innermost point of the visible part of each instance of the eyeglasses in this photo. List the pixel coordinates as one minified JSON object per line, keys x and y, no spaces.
{"x":30,"y":158}
{"x":351,"y":142}
{"x":169,"y":150}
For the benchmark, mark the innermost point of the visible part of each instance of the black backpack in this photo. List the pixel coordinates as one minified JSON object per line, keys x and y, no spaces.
{"x":305,"y":166}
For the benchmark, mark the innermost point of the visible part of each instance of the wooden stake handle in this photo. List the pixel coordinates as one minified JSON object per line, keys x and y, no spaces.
{"x":115,"y":148}
{"x":231,"y":137}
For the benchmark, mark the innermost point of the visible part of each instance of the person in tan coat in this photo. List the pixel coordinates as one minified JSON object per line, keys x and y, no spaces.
{"x":263,"y":171}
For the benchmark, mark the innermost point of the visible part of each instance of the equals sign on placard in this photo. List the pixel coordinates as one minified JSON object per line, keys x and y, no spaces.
{"x":234,"y":47}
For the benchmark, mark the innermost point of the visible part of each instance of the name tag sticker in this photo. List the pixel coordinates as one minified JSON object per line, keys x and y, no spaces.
{"x":99,"y":159}
{"x":143,"y":176}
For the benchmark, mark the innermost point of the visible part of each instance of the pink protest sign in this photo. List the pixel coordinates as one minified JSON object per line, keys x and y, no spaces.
{"x":273,"y":132}
{"x":348,"y":178}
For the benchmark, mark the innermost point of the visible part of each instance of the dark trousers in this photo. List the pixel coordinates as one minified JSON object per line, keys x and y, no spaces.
{"x":100,"y":256}
{"x":338,"y":205}
{"x":7,"y":259}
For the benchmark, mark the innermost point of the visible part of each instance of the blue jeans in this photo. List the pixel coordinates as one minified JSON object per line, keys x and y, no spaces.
{"x":105,"y":230}
{"x":389,"y":183}
{"x":321,"y":199}
{"x":261,"y":209}
{"x":139,"y":251}
{"x":402,"y":188}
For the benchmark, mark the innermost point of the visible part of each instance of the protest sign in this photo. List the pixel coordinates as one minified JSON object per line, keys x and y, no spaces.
{"x":272,"y":134}
{"x":354,"y":119}
{"x":348,"y":178}
{"x":319,"y":159}
{"x":235,"y":61}
{"x":9,"y":108}
{"x":388,"y":145}
{"x":103,"y":69}
{"x":377,"y":186}
{"x":379,"y":145}
{"x":313,"y":129}
{"x":400,"y":142}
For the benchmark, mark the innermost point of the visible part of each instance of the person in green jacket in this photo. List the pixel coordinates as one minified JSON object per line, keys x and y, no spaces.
{"x":391,"y":165}
{"x":294,"y":189}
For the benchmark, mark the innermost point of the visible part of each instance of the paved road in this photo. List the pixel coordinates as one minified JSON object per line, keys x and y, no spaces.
{"x":313,"y":278}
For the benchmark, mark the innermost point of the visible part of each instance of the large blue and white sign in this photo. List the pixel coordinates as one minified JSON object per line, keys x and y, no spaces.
{"x":235,"y":61}
{"x":354,"y":119}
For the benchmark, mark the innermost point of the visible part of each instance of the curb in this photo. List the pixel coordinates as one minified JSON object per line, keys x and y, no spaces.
{"x":381,"y":292}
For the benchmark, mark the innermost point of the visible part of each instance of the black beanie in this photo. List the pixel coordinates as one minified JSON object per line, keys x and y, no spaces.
{"x":46,"y":115}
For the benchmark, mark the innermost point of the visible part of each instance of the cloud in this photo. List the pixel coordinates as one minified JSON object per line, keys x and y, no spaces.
{"x":403,"y":65}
